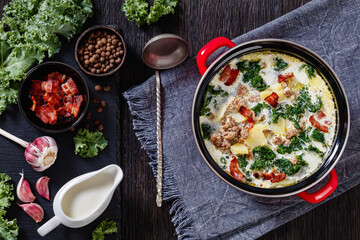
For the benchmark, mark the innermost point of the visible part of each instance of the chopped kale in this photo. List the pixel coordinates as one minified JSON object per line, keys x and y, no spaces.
{"x":295,"y":112}
{"x":259,"y":107}
{"x":208,"y":97}
{"x":206,"y":129}
{"x":251,"y":70}
{"x":264,"y":153}
{"x":313,"y":149}
{"x":285,"y":166}
{"x":310,"y":71}
{"x":280,"y":64}
{"x":241,"y":160}
{"x":296,"y":143}
{"x":223,"y":160}
{"x":301,"y":161}
{"x":263,"y":158}
{"x":318,"y":136}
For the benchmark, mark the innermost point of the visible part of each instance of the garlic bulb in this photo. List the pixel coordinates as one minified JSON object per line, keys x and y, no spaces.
{"x":23,"y":190}
{"x":42,"y":187}
{"x":41,"y":154}
{"x":34,"y":210}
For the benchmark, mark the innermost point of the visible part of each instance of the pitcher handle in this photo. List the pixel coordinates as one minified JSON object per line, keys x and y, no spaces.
{"x":49,"y":226}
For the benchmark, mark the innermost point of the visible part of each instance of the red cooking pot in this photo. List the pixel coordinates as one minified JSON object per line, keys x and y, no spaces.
{"x":341,"y":104}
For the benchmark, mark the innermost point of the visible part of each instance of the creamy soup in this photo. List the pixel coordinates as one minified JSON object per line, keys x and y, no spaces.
{"x":268,"y":119}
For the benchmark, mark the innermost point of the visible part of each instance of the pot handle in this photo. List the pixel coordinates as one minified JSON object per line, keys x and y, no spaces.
{"x":209,"y":49}
{"x":322,"y":193}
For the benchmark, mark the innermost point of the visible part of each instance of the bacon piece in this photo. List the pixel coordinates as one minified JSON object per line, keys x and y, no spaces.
{"x":228,"y":75}
{"x":273,"y":177}
{"x":278,"y":178}
{"x":249,"y":115}
{"x":73,"y":107}
{"x":33,"y":99}
{"x":49,"y":85}
{"x":234,"y":170}
{"x":56,"y":76}
{"x":284,"y":77}
{"x":70,"y":87}
{"x":320,"y":115}
{"x":35,"y":88}
{"x":272,"y":99}
{"x":318,"y":125}
{"x":47,"y":114}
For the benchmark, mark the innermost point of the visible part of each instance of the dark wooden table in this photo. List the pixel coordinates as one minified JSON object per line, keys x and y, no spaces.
{"x":198,"y":22}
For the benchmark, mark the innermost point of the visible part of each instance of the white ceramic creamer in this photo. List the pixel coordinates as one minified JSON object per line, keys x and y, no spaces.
{"x":82,"y":199}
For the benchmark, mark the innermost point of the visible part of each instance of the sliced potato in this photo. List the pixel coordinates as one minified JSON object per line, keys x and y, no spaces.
{"x":222,"y":111}
{"x":279,"y":127}
{"x":238,"y":117}
{"x":239,"y":148}
{"x":256,"y":136}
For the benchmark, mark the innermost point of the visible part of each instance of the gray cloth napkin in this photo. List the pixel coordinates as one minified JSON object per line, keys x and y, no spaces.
{"x":204,"y":206}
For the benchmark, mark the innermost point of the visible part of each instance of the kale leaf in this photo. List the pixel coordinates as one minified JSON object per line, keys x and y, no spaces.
{"x":259,"y":107}
{"x":310,"y":71}
{"x":263,"y":157}
{"x":251,"y":70}
{"x":284,"y":165}
{"x":105,"y":227}
{"x":318,"y":136}
{"x":313,"y":149}
{"x":280,"y":64}
{"x":88,"y":144}
{"x":206,"y":129}
{"x":8,"y":229}
{"x":209,"y":94}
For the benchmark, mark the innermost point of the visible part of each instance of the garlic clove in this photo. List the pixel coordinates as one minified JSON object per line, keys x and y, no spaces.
{"x":34,"y":210}
{"x":41,"y":153}
{"x":42,"y":187}
{"x":23,"y":190}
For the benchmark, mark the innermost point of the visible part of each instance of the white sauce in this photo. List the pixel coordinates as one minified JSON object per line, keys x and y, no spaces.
{"x":84,"y":198}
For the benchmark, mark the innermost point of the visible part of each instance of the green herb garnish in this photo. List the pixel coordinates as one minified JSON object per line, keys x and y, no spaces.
{"x":318,"y":136}
{"x":251,"y":70}
{"x":105,"y":227}
{"x":310,"y":71}
{"x":9,"y":230}
{"x":206,"y":129}
{"x":259,"y":107}
{"x":88,"y":144}
{"x":280,"y":64}
{"x":287,"y":167}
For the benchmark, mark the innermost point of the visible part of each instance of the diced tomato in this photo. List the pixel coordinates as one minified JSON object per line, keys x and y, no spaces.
{"x":249,"y":115}
{"x":278,"y":178}
{"x":318,"y":125}
{"x":70,"y":87}
{"x":47,"y":114}
{"x":272,"y":99}
{"x":282,"y":78}
{"x":228,"y":75}
{"x":234,"y":170}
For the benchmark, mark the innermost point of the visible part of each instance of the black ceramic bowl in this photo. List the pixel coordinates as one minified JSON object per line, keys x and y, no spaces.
{"x":290,"y":48}
{"x":38,"y":73}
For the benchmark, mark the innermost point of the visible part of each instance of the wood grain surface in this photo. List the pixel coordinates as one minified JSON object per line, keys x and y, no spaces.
{"x":198,"y":22}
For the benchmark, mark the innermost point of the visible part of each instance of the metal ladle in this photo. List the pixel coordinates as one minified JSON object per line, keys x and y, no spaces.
{"x":163,"y":51}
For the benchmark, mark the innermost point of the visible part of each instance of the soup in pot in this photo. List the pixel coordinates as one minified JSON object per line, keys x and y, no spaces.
{"x":268,"y":119}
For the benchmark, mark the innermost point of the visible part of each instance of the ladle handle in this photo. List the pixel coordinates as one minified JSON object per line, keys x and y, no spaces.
{"x":159,"y":141}
{"x":49,"y":226}
{"x":14,"y":138}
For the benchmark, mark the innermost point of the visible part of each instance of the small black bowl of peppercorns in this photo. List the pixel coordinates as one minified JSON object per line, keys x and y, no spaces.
{"x":100,"y":51}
